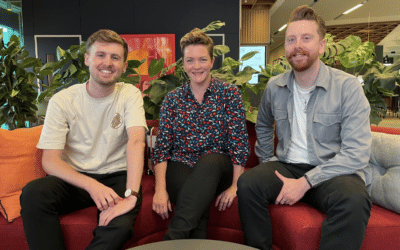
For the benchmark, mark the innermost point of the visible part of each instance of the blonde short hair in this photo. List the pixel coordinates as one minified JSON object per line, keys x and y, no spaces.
{"x":197,"y":37}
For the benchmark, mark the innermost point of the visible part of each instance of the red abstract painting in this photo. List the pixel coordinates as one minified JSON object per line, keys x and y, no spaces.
{"x":149,"y":47}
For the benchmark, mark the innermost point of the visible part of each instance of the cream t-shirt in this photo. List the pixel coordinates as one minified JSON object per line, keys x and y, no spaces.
{"x":92,"y":132}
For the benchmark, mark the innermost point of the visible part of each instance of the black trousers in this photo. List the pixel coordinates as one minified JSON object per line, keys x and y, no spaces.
{"x":43,"y":200}
{"x":192,"y":190}
{"x":344,"y":199}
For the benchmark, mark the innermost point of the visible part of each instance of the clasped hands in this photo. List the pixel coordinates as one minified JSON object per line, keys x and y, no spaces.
{"x":110,"y":203}
{"x":292,"y":191}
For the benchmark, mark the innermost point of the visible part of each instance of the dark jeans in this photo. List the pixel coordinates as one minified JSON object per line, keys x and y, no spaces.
{"x":43,"y":200}
{"x":344,"y":199}
{"x":192,"y":190}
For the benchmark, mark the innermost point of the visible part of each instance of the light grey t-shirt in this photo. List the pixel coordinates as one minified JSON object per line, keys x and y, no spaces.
{"x":92,"y":132}
{"x":297,"y":152}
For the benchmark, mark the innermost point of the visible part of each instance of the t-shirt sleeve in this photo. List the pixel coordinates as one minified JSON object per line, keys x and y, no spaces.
{"x":55,"y":127}
{"x":134,"y":110}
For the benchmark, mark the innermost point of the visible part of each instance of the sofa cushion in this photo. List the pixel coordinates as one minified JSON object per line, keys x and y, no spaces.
{"x":385,"y":163}
{"x":20,"y":164}
{"x":298,"y":227}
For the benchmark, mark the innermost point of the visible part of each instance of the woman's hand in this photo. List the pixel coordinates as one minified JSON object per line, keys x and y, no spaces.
{"x":161,"y":204}
{"x":225,"y":199}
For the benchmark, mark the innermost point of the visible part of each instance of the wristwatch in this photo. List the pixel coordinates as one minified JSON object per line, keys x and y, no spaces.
{"x":130,"y":192}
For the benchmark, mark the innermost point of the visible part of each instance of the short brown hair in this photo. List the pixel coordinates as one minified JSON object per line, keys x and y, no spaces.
{"x":307,"y":13}
{"x":196,"y":37}
{"x":107,"y":36}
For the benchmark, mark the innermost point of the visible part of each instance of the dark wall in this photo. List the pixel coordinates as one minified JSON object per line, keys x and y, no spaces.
{"x":379,"y":53}
{"x":9,"y":19}
{"x":83,"y":17}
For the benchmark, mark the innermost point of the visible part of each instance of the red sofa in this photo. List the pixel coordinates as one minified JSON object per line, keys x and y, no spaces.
{"x":295,"y":227}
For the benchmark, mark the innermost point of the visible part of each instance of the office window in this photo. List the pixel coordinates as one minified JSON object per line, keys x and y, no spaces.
{"x":255,"y":62}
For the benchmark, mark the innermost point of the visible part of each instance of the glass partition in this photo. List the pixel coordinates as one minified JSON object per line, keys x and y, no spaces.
{"x":11,"y":19}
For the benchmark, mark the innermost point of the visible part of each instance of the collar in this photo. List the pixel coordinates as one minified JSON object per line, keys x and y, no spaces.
{"x":321,"y":81}
{"x":210,"y":89}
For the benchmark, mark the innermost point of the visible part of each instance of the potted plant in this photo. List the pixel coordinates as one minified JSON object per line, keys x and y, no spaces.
{"x":18,"y":75}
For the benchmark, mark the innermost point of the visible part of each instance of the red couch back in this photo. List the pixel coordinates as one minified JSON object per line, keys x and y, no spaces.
{"x":387,"y":130}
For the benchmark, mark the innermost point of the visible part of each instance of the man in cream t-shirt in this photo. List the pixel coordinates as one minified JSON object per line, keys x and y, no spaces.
{"x":93,"y":143}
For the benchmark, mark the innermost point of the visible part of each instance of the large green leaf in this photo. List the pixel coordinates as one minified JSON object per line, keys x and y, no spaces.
{"x":29,"y":62}
{"x":249,"y":55}
{"x":14,"y":93}
{"x":213,"y":26}
{"x":156,"y":66}
{"x":232,"y":63}
{"x":132,"y":79}
{"x":63,"y":54}
{"x":135,"y":63}
{"x":160,"y":87}
{"x":220,"y":50}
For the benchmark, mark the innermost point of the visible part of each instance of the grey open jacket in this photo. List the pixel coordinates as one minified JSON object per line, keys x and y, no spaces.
{"x":338,"y":127}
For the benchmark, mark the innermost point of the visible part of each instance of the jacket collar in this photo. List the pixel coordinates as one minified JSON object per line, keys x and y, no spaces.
{"x":321,"y":81}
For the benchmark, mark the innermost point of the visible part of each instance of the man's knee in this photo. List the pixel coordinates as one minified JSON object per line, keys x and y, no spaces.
{"x":246,"y":184}
{"x":243,"y":182}
{"x":36,"y":192}
{"x":30,"y":193}
{"x":355,"y":200}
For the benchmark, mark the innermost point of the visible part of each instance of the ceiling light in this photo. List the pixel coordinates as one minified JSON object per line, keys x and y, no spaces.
{"x":283,"y":27}
{"x":9,"y":6}
{"x":350,"y":10}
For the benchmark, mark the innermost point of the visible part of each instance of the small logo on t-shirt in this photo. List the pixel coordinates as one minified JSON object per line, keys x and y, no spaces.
{"x":116,"y":121}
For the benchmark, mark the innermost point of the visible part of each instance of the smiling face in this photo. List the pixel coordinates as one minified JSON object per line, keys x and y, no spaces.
{"x":303,"y":45}
{"x":198,"y":64}
{"x":106,"y":63}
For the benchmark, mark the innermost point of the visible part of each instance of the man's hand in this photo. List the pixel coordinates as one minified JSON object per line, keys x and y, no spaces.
{"x":103,"y":196}
{"x":123,"y":206}
{"x":225,"y":199}
{"x":292,"y":191}
{"x":161,"y":204}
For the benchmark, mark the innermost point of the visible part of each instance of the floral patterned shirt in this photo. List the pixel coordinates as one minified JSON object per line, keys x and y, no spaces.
{"x":189,"y":129}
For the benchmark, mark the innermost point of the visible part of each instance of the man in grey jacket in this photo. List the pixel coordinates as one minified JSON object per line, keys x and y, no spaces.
{"x":322,"y":122}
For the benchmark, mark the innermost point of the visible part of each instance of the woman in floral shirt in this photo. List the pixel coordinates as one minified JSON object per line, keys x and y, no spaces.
{"x":202,"y":144}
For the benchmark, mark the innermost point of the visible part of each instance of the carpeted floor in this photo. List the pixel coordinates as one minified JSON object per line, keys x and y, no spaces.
{"x":389,"y":121}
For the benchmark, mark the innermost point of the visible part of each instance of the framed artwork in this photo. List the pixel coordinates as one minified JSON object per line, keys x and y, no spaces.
{"x":149,"y":47}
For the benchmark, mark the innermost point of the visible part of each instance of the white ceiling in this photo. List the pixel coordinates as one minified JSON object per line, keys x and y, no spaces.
{"x":371,"y":11}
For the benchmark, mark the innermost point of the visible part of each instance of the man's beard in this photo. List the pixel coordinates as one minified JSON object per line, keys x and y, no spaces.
{"x":303,"y":66}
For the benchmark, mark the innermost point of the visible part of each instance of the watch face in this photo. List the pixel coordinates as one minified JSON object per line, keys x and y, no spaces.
{"x":128,"y":193}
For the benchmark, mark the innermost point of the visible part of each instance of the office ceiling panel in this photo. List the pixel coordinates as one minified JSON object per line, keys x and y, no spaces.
{"x":374,"y":20}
